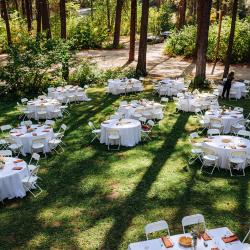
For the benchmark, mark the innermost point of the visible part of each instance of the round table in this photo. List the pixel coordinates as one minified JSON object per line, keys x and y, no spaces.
{"x":223,"y":150}
{"x":22,"y":136}
{"x":129,"y":109}
{"x":121,"y":86}
{"x":48,"y":105}
{"x":129,"y":130}
{"x":189,"y":103}
{"x":238,"y":87}
{"x":11,"y":180}
{"x":64,"y":92}
{"x":228,"y":118}
{"x":170,"y":87}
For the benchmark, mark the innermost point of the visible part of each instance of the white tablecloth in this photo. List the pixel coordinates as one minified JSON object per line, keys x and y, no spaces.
{"x":129,"y":130}
{"x":20,"y":135}
{"x":223,"y":150}
{"x":63,"y":92}
{"x":130,"y":109}
{"x":119,"y":86}
{"x":236,"y":86}
{"x":216,"y":234}
{"x":170,"y":87}
{"x":47,"y":105}
{"x":228,"y":118}
{"x":11,"y":180}
{"x":189,"y":103}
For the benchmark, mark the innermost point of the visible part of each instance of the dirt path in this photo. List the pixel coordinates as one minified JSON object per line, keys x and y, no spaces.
{"x":158,"y":64}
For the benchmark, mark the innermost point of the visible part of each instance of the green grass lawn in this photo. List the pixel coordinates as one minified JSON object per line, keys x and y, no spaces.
{"x":97,"y":199}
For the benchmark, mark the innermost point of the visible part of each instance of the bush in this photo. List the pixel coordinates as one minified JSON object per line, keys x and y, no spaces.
{"x":88,"y":74}
{"x":32,"y":67}
{"x":86,"y":35}
{"x":183,"y":42}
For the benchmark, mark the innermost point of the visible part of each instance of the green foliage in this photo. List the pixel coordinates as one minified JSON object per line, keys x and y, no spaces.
{"x":86,"y":35}
{"x":31,"y":67}
{"x":165,"y":16}
{"x":183,"y":42}
{"x":88,"y":74}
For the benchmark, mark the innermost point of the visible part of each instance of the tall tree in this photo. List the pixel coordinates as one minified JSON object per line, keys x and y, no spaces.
{"x":45,"y":18}
{"x":133,"y":20}
{"x":23,"y":8}
{"x":63,"y":19}
{"x":28,"y":7}
{"x":141,"y":67}
{"x":203,"y":18}
{"x":38,"y":17}
{"x":118,"y":16}
{"x":6,"y":19}
{"x":108,"y":16}
{"x":182,"y":13}
{"x":231,"y":39}
{"x":218,"y":2}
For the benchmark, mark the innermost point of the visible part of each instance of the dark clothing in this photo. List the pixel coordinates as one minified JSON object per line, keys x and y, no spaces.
{"x":227,"y":87}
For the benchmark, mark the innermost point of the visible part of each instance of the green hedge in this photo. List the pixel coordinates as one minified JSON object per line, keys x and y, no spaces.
{"x":183,"y":42}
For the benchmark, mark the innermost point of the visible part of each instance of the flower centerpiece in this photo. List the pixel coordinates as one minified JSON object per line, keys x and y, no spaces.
{"x":2,"y":162}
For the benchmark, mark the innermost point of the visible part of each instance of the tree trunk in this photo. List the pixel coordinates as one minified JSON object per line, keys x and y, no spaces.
{"x":118,"y":16}
{"x":218,"y":40}
{"x":133,"y":20}
{"x":6,"y":19}
{"x":108,"y":16}
{"x":28,"y":14}
{"x":23,"y":8}
{"x":63,"y":19}
{"x":217,"y":9}
{"x":203,"y":18}
{"x":91,"y":9}
{"x":38,"y":17}
{"x":231,"y":39}
{"x":45,"y":18}
{"x":182,"y":13}
{"x":16,"y":5}
{"x":141,"y":67}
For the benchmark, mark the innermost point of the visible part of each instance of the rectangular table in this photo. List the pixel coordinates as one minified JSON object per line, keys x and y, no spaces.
{"x":216,"y":235}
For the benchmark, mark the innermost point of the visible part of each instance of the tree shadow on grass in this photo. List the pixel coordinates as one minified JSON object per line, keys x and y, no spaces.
{"x":136,"y":201}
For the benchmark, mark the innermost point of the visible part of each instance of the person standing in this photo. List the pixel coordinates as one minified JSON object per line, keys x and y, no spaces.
{"x":227,"y":85}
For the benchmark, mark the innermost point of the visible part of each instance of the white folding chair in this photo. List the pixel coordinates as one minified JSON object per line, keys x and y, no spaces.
{"x":15,"y":147}
{"x":113,"y":135}
{"x":6,"y":153}
{"x":244,"y":133}
{"x":216,"y":123}
{"x":196,"y":148}
{"x":38,"y":145}
{"x":33,"y":163}
{"x":246,"y":244}
{"x":49,"y":123}
{"x":26,"y":123}
{"x":146,"y":129}
{"x":24,"y":100}
{"x":212,"y":132}
{"x":192,"y":220}
{"x":240,"y":125}
{"x":237,"y":161}
{"x":95,"y":132}
{"x":209,"y":159}
{"x":30,"y":182}
{"x":156,"y":227}
{"x":239,"y":109}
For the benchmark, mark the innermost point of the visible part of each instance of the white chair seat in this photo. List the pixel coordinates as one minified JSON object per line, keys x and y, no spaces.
{"x":198,"y":144}
{"x":216,"y":126}
{"x":32,"y":167}
{"x":41,"y":112}
{"x":55,"y":141}
{"x":197,"y":151}
{"x":238,"y":126}
{"x":28,"y":179}
{"x":2,"y":142}
{"x":210,"y":157}
{"x":96,"y":131}
{"x":14,"y":146}
{"x":38,"y":145}
{"x":237,"y":160}
{"x":114,"y":137}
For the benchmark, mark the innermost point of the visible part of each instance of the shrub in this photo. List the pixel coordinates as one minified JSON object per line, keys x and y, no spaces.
{"x":183,"y":42}
{"x":31,"y":67}
{"x":88,"y":74}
